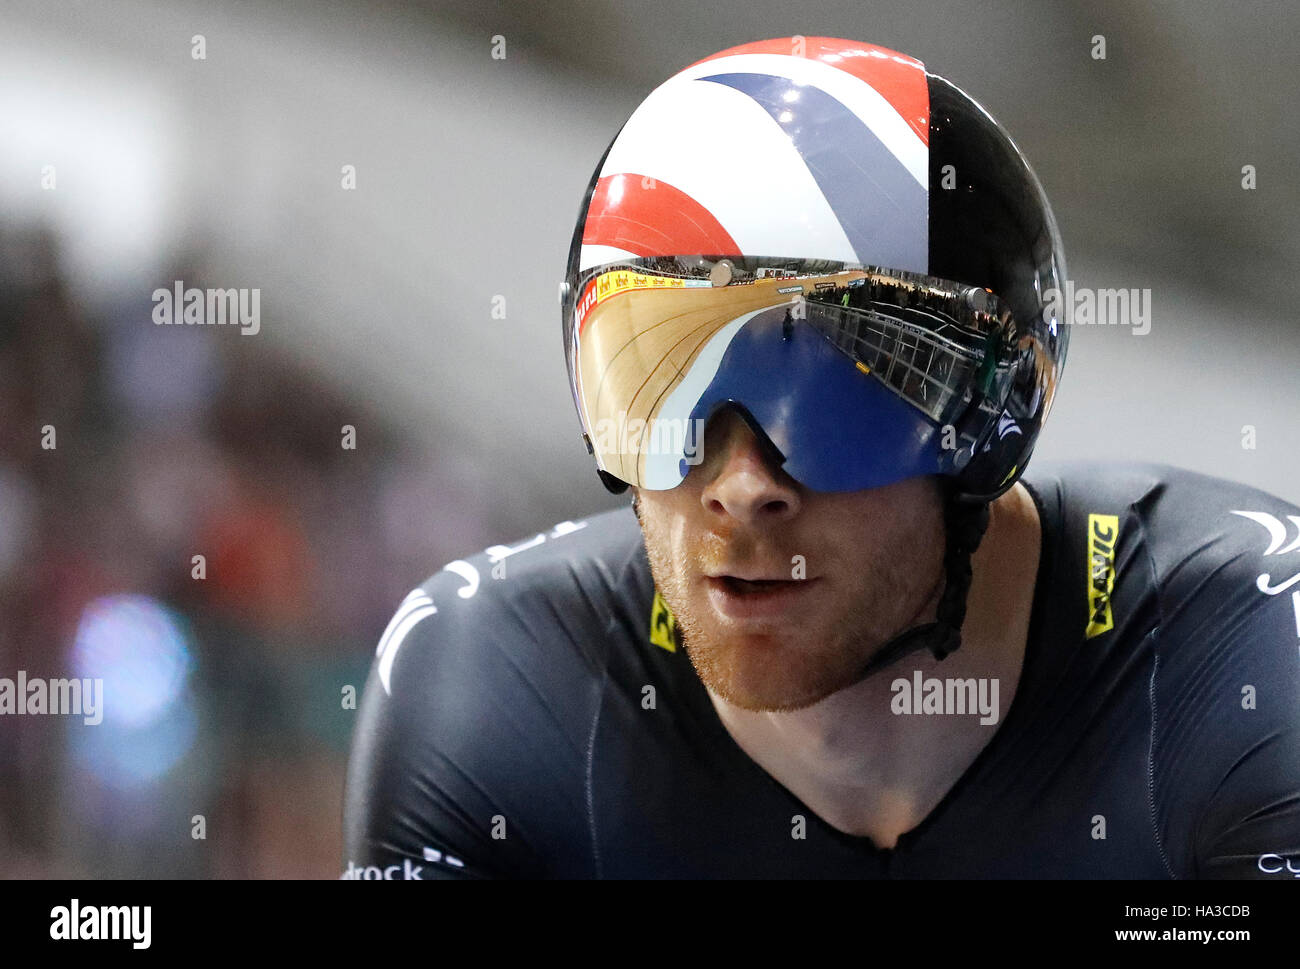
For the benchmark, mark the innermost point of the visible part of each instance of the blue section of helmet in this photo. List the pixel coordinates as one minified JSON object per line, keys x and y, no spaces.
{"x":838,"y":428}
{"x":884,"y":210}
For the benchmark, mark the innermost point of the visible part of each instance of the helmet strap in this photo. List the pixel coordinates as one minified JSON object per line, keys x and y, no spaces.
{"x":965,"y":524}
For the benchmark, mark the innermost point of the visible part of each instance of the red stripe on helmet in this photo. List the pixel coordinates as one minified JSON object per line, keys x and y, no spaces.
{"x":898,"y":78}
{"x":652,"y":218}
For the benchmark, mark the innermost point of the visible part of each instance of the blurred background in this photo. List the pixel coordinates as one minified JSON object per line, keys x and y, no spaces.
{"x":420,"y":307}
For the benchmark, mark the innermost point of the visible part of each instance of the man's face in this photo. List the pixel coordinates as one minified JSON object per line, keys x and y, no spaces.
{"x":725,"y":548}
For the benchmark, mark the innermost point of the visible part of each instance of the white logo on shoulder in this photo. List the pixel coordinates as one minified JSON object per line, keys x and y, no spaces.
{"x":1276,"y":530}
{"x":417,"y":606}
{"x":414,"y":607}
{"x":1278,"y":545}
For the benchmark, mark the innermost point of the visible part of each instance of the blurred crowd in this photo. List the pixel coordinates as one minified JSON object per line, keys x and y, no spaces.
{"x":128,"y":451}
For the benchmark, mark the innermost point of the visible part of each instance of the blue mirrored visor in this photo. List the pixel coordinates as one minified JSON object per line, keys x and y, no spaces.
{"x":859,"y":376}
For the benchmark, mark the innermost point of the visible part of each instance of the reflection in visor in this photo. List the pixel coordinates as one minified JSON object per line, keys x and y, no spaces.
{"x":926,"y":342}
{"x":850,"y":371}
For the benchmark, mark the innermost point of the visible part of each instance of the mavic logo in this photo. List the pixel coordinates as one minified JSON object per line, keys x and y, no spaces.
{"x":1103,"y":530}
{"x":663,"y":625}
{"x":1278,"y":545}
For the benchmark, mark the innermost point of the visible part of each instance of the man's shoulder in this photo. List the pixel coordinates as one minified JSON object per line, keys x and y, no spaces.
{"x":1216,"y":562}
{"x":1181,"y":517}
{"x":480,"y":701}
{"x":1144,"y":481}
{"x":571,"y":556}
{"x":534,"y":599}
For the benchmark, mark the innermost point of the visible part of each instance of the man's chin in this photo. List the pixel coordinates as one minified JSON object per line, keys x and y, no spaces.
{"x":764,"y":675}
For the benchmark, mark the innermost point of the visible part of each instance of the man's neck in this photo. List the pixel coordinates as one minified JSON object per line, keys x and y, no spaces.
{"x":865,"y":767}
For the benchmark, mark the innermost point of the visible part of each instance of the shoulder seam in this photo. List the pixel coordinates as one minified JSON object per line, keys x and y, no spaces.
{"x":1151,"y":763}
{"x":589,"y":781}
{"x":1151,"y":694}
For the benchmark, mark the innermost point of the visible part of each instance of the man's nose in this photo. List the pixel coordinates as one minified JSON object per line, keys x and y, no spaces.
{"x":743,"y":480}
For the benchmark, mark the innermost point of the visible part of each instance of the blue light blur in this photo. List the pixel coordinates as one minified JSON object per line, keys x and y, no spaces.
{"x":140,"y":650}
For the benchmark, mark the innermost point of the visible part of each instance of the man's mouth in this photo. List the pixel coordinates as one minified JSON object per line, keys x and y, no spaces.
{"x":740,"y":598}
{"x":739,"y":586}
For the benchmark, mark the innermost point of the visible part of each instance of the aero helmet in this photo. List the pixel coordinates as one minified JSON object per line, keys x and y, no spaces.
{"x":841,"y":245}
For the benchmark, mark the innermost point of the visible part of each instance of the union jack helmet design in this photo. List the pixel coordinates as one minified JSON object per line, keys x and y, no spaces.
{"x":840,"y":245}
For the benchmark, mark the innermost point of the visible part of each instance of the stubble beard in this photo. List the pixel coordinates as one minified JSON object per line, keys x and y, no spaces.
{"x":789,"y":669}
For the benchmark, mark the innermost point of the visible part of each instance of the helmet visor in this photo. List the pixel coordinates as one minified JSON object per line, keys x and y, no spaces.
{"x":858,"y":376}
